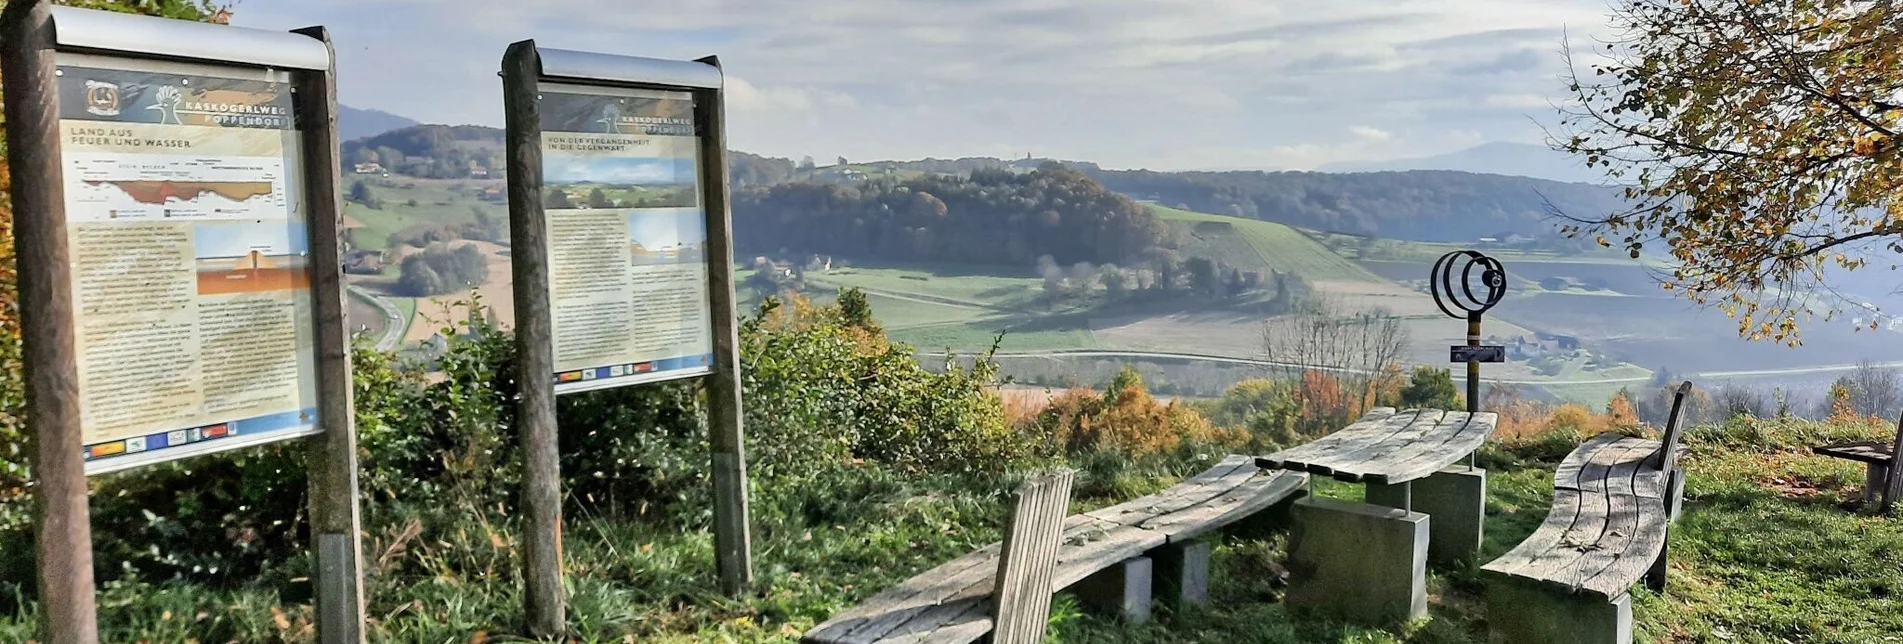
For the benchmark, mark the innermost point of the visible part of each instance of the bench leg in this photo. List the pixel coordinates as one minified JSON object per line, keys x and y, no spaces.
{"x":1361,"y":562}
{"x":1457,"y":499}
{"x":1675,"y":495}
{"x":1122,"y":590}
{"x":1519,"y":612}
{"x":1182,"y":573}
{"x":1875,"y":477}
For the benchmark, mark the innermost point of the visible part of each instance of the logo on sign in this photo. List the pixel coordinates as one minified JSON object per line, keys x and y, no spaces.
{"x":102,"y":98}
{"x":166,"y":101}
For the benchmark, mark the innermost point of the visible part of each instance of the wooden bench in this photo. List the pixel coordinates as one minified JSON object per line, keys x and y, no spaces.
{"x":954,"y":602}
{"x":1614,"y":500}
{"x":1883,"y":479}
{"x":1368,"y":562}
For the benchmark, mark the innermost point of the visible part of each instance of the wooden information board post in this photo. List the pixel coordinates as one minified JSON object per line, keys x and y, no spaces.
{"x":623,"y":270}
{"x":175,"y":194}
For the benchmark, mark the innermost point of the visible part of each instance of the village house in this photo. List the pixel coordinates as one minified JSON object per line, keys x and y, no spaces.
{"x":369,"y":168}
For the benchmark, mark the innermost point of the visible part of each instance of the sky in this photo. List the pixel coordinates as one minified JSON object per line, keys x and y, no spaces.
{"x":1161,"y":84}
{"x":656,"y":228}
{"x":619,"y":170}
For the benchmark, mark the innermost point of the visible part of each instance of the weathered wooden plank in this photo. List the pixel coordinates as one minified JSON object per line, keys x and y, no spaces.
{"x":957,"y":622}
{"x":1216,"y":481}
{"x":1330,"y":459}
{"x":1245,"y":500}
{"x":1353,"y":432}
{"x":1105,"y":547}
{"x":1021,"y":604}
{"x":1862,"y":451}
{"x":1621,"y":525}
{"x":1665,"y":458}
{"x":1566,"y":476}
{"x":1635,"y":559}
{"x":1358,"y":457}
{"x":1560,"y":518}
{"x":878,"y":615}
{"x":1426,"y":458}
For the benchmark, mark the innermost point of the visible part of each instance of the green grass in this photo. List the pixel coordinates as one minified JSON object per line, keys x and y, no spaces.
{"x":997,"y":288}
{"x":1765,"y":554}
{"x":437,"y":202}
{"x":1276,"y":246}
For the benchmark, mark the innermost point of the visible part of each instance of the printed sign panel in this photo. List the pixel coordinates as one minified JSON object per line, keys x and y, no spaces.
{"x":1487,"y":353}
{"x":627,"y":236}
{"x":189,"y":253}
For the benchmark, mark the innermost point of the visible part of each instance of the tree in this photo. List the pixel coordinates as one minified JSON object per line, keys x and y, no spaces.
{"x":1757,"y":139}
{"x":598,"y":198}
{"x":842,"y":162}
{"x":1355,"y":348}
{"x":1431,"y":388}
{"x":1874,"y":390}
{"x":856,"y":311}
{"x":1204,"y":276}
{"x":1115,"y":283}
{"x":360,"y":193}
{"x":806,"y":164}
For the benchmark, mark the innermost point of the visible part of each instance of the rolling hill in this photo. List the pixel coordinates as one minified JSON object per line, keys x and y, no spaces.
{"x":353,"y":123}
{"x":1252,"y":243}
{"x":1511,"y":159}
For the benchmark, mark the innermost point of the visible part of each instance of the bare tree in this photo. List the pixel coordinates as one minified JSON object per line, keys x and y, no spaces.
{"x":1738,"y":400}
{"x":1359,"y":350}
{"x":1875,"y":390}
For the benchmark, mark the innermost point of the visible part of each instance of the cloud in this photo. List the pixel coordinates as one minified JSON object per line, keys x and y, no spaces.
{"x":1137,"y":83}
{"x":1366,"y":133}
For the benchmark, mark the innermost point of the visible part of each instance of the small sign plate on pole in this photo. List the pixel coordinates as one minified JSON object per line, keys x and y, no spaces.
{"x":1483,"y":353}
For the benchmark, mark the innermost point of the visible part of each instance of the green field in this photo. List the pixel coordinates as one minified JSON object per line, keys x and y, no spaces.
{"x":438,"y":202}
{"x":964,"y":286}
{"x":1275,"y":246}
{"x":1401,"y":250}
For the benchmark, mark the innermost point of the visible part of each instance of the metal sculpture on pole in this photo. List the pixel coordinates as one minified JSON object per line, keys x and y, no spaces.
{"x":1452,"y":284}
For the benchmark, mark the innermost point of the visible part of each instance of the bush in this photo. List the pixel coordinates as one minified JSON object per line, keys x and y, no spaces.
{"x":439,"y":270}
{"x":1431,"y":388}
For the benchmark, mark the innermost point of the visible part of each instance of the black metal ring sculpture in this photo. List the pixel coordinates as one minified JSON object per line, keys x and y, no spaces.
{"x":1493,"y":277}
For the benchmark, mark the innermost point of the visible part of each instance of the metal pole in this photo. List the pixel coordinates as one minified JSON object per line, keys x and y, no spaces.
{"x":535,"y":413}
{"x":733,"y":549}
{"x":1473,"y":366}
{"x":63,"y":544}
{"x":336,"y":527}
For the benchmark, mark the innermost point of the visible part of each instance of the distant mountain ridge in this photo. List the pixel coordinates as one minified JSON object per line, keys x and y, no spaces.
{"x":1510,"y":159}
{"x":354,"y":123}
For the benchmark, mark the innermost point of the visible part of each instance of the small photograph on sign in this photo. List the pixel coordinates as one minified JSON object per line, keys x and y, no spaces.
{"x":585,"y":182}
{"x":666,"y":237}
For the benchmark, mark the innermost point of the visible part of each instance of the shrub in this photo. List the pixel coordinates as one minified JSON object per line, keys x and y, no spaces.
{"x":1431,"y":388}
{"x":439,"y":270}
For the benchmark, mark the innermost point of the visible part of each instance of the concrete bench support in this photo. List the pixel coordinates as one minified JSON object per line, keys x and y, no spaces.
{"x":1182,"y":573}
{"x":1358,"y":561}
{"x":1456,"y":497}
{"x":1518,"y":612}
{"x":1122,"y":589}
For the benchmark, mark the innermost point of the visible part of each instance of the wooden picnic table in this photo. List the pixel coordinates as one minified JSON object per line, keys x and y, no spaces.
{"x":1883,"y":479}
{"x":1387,"y":447}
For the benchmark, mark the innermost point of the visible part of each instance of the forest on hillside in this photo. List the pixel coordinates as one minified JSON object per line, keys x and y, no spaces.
{"x":432,"y":151}
{"x":1425,"y":205}
{"x":990,"y":217}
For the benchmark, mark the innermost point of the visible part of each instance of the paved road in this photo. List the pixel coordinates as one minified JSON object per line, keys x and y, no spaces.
{"x":394,"y":324}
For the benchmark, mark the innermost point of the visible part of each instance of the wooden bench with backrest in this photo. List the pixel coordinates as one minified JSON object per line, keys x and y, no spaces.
{"x":1883,"y":478}
{"x":964,"y":599}
{"x":1614,"y":501}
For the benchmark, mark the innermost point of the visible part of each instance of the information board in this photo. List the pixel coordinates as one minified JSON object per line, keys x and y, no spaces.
{"x":190,"y":258}
{"x":627,"y":236}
